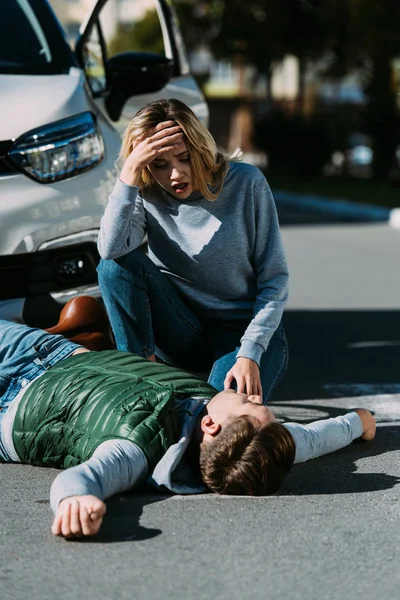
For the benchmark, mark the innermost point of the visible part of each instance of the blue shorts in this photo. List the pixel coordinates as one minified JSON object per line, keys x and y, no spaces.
{"x":25,"y":353}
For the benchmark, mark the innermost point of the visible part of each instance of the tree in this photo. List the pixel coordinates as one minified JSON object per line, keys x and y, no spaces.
{"x":262,"y":32}
{"x":361,"y":35}
{"x":144,"y":34}
{"x":373,"y":42}
{"x":196,"y":22}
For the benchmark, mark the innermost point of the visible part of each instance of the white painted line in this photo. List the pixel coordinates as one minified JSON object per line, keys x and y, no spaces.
{"x":338,"y":390}
{"x":394,"y":218}
{"x":385,"y":407}
{"x":374,"y":344}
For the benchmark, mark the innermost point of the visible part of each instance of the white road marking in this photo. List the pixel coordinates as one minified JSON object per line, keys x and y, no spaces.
{"x":361,"y":389}
{"x":385,"y":407}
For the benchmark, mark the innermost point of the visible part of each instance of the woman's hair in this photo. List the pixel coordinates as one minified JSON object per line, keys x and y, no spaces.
{"x":246,"y":460}
{"x":209,"y":167}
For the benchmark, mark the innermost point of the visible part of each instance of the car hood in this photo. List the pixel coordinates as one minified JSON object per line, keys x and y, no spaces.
{"x":30,"y":101}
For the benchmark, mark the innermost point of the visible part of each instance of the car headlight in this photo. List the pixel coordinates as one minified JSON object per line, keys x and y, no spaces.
{"x":59,"y":150}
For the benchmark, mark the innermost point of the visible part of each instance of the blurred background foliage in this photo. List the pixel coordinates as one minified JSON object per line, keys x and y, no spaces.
{"x":309,"y":89}
{"x":335,"y":38}
{"x":144,"y":34}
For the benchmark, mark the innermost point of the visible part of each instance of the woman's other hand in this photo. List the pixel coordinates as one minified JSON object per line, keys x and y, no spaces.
{"x":161,"y":138}
{"x":246,"y":373}
{"x":78,"y":516}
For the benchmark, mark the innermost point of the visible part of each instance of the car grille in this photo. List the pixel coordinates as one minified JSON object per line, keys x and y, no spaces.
{"x":46,"y":271}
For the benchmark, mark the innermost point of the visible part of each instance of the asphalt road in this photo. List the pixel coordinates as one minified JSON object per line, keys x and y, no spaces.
{"x":332,"y":532}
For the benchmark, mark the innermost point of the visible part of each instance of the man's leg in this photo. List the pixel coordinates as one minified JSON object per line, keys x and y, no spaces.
{"x":146,"y":311}
{"x":272,"y":366}
{"x":25,"y":353}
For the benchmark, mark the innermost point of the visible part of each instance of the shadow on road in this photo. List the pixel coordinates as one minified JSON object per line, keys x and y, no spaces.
{"x":337,"y":473}
{"x":122,"y":520}
{"x":340,"y":347}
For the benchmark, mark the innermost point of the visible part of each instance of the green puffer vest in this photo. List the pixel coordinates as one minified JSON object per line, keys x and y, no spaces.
{"x":92,"y":397}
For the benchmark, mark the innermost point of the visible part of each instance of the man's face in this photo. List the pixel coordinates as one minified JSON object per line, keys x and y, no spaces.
{"x":229,"y":404}
{"x":172,"y":171}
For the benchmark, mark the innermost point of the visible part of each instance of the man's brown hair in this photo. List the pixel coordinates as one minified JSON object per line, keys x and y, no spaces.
{"x":247,"y":460}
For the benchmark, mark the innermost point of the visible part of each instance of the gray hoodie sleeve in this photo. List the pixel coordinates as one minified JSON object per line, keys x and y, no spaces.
{"x":115,"y":467}
{"x":123,"y":225}
{"x":325,"y":436}
{"x":272,"y":277}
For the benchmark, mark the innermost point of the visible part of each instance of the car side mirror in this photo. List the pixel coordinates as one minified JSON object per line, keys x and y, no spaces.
{"x":132,"y":73}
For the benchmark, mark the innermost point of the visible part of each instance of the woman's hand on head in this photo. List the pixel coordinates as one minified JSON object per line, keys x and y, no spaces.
{"x":246,"y":373}
{"x":78,"y":516}
{"x":161,"y":138}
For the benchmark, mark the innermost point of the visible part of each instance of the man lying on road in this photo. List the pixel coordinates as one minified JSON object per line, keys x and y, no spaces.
{"x":114,"y":420}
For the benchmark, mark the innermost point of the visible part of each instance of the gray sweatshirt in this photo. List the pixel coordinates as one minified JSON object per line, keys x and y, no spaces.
{"x":225,"y":256}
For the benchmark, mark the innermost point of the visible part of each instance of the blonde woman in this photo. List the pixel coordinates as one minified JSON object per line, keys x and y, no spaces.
{"x":211,"y":292}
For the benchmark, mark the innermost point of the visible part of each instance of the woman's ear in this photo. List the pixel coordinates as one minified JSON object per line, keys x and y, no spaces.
{"x":210,"y":426}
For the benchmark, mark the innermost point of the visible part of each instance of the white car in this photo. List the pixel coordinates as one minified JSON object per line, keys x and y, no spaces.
{"x":62,"y":112}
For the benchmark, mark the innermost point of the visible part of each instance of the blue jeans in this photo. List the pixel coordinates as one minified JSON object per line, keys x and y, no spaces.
{"x":25,"y":353}
{"x":148,"y":315}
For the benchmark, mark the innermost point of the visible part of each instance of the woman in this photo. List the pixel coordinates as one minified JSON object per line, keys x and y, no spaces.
{"x":211,"y":292}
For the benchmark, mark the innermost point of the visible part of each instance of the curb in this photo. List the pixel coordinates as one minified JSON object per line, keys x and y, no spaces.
{"x":338,"y":206}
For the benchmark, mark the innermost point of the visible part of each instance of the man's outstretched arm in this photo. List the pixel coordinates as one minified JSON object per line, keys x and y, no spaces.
{"x":328,"y":435}
{"x":77,"y":494}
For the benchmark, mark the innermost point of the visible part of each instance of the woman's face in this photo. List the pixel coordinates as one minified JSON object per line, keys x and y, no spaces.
{"x":173,"y":172}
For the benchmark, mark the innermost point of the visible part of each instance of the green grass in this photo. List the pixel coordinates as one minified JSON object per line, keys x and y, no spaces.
{"x":357,"y":190}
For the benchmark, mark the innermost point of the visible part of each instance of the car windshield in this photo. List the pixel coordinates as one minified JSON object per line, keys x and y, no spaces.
{"x":31,"y":40}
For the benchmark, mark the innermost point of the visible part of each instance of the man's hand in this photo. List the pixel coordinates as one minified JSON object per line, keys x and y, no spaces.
{"x":368,"y":423}
{"x":246,"y":372}
{"x":78,"y":516}
{"x":161,"y":138}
